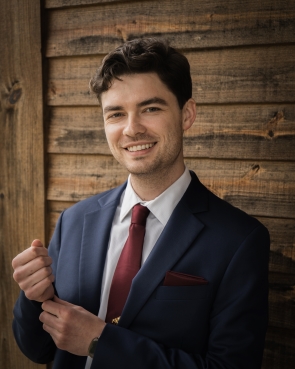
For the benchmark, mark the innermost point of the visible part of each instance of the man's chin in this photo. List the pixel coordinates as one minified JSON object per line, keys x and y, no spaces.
{"x":141,"y":170}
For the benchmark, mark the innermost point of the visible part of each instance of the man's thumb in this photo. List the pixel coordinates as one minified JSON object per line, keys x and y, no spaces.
{"x":37,"y":243}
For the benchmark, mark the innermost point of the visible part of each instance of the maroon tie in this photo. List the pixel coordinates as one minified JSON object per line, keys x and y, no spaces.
{"x":128,"y":265}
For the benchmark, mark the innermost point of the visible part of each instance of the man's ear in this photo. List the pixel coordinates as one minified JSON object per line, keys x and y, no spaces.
{"x":189,"y":112}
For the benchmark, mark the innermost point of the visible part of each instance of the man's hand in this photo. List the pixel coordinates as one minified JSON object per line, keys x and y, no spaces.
{"x":33,"y":273}
{"x":71,"y":327}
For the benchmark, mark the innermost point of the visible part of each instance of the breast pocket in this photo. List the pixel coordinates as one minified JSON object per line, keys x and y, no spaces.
{"x":183,"y":292}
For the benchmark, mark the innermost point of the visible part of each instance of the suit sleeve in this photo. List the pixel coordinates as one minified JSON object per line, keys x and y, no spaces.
{"x":238,"y":322}
{"x":32,"y":340}
{"x":29,"y":334}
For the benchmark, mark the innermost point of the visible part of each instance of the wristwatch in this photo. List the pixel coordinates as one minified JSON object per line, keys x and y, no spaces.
{"x":92,"y":346}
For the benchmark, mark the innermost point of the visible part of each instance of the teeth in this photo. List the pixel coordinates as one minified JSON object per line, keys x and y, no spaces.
{"x":140,"y":147}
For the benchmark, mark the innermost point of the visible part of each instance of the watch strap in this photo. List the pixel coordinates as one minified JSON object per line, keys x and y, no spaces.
{"x":92,"y":346}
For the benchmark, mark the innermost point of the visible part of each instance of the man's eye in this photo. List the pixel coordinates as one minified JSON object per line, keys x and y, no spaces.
{"x":115,"y":115}
{"x":152,"y":109}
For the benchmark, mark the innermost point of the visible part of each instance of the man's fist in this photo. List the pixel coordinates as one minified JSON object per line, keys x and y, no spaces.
{"x":33,"y":273}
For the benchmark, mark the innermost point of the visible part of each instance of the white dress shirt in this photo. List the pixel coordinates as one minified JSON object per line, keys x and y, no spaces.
{"x":160,"y":208}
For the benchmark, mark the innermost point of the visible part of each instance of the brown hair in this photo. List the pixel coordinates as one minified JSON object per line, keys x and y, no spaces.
{"x":146,"y":56}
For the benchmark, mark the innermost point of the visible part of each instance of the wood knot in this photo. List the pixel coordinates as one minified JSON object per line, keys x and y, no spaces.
{"x":255,"y":168}
{"x":14,"y":95}
{"x":270,"y":133}
{"x":272,"y":124}
{"x":250,"y":174}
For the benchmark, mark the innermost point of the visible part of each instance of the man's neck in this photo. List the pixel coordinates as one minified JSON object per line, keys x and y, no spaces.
{"x":150,"y":186}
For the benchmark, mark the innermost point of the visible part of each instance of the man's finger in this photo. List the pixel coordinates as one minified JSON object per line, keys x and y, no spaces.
{"x":28,"y":255}
{"x":61,"y":302}
{"x":23,"y":272}
{"x":32,"y":280}
{"x":55,"y":306}
{"x":37,"y":243}
{"x":51,"y":307}
{"x":50,"y":322}
{"x":41,"y":291}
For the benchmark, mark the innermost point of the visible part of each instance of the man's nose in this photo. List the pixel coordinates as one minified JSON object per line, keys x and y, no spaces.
{"x":134,"y":125}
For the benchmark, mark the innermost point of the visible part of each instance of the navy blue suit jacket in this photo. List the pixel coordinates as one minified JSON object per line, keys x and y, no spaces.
{"x":218,"y":325}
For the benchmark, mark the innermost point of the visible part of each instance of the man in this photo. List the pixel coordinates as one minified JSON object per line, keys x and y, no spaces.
{"x":199,"y":299}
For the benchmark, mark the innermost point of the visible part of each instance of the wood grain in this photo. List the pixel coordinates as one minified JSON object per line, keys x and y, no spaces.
{"x":279,"y":349}
{"x":282,"y":246}
{"x":21,"y":155}
{"x":247,"y":75}
{"x":258,"y":187}
{"x":266,"y":132}
{"x":76,"y":130}
{"x":264,"y":74}
{"x":66,"y":3}
{"x":75,"y":177}
{"x":282,"y":300}
{"x":54,"y":210}
{"x":220,"y":131}
{"x":187,"y":24}
{"x":68,"y":80}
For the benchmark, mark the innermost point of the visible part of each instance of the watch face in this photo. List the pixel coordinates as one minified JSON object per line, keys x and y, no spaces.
{"x":92,"y":347}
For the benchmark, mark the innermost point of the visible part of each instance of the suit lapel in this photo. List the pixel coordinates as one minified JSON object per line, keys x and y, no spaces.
{"x":171,"y":245}
{"x":95,"y":239}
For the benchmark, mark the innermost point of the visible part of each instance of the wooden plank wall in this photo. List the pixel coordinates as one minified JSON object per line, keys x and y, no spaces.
{"x":242,"y":144}
{"x":22,"y":197}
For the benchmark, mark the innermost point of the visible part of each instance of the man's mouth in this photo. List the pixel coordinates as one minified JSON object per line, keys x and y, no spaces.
{"x":140,"y":147}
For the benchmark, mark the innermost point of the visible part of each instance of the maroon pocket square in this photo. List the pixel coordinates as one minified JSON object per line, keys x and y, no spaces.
{"x":182,"y":279}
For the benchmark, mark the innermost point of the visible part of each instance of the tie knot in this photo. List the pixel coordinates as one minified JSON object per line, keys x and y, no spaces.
{"x":139,"y":214}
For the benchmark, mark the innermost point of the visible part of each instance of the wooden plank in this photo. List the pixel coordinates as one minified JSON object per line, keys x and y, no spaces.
{"x":265,"y":74}
{"x":242,"y":132}
{"x":65,"y":3}
{"x":187,"y":24}
{"x":75,"y":177}
{"x":21,"y":155}
{"x":282,"y":300}
{"x":77,"y":130}
{"x":68,"y":80}
{"x":246,"y":75}
{"x":54,"y":210}
{"x":282,"y":247}
{"x":279,"y":352}
{"x":221,"y":131}
{"x":258,"y":187}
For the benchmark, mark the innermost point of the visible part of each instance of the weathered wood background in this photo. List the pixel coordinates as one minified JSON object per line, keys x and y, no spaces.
{"x":242,"y":145}
{"x":21,"y":156}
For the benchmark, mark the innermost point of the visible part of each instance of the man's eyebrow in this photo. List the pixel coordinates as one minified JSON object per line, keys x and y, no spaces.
{"x":112,"y":108}
{"x":153,"y":100}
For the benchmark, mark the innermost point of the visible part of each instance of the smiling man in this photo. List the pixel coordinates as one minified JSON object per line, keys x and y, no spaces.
{"x":159,"y":272}
{"x":144,"y":127}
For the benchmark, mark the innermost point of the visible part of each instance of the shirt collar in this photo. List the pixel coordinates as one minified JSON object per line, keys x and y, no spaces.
{"x":163,"y":205}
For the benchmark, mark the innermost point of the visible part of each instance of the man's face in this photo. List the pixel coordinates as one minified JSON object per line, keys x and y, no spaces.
{"x":144,"y":124}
